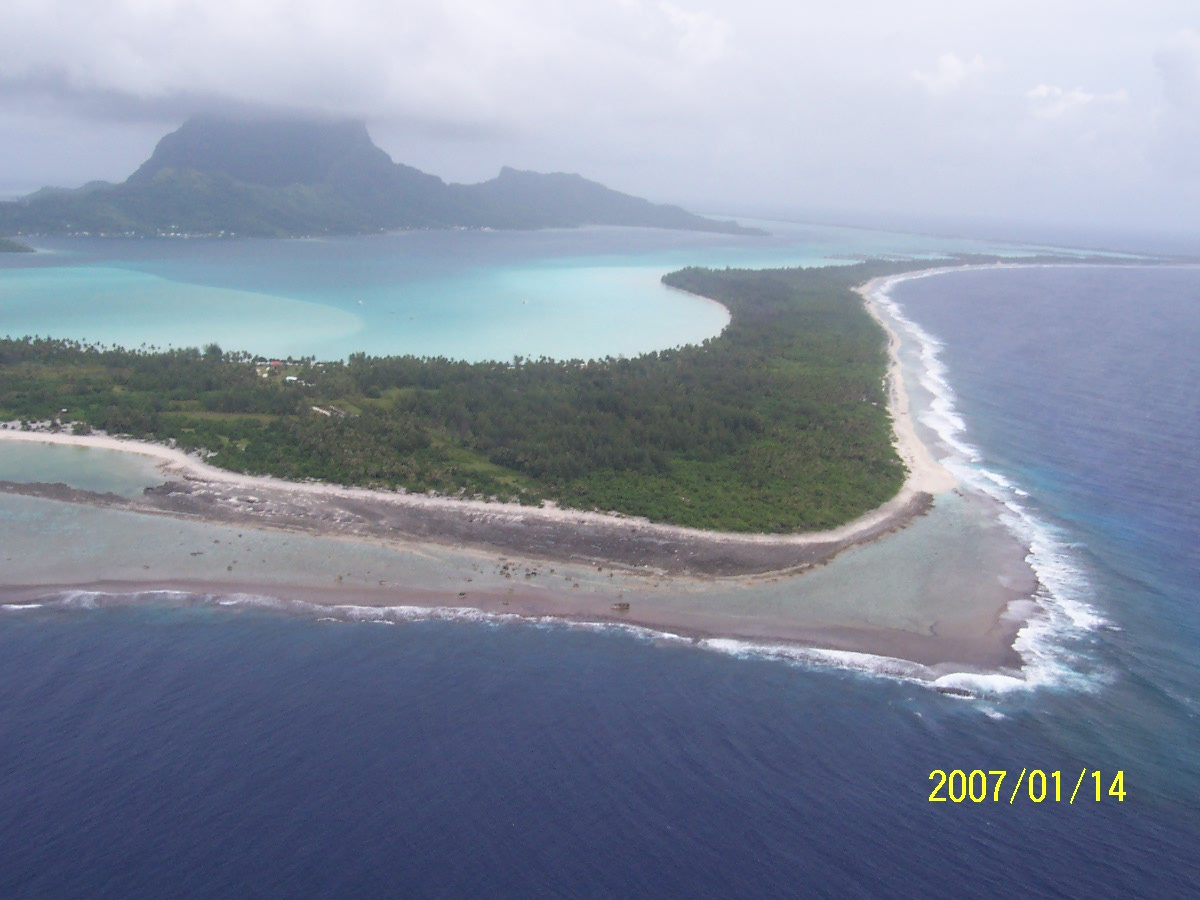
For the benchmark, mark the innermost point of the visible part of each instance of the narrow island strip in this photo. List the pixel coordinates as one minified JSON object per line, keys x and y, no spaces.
{"x":757,"y":588}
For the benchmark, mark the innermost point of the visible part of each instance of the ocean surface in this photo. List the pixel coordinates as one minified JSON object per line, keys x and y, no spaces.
{"x":474,"y":295}
{"x":167,"y":746}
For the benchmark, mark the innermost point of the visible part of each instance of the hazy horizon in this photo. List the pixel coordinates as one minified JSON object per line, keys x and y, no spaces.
{"x":1001,"y":113}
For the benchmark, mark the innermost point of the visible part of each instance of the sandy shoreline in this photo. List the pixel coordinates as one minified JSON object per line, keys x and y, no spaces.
{"x":927,"y":656}
{"x":756,"y":588}
{"x":926,"y":478}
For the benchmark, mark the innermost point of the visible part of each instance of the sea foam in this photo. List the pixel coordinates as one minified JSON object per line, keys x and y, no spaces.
{"x":866,"y":664}
{"x":1047,"y":640}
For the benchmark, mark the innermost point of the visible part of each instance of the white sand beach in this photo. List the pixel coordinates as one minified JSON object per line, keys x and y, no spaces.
{"x":942,"y":587}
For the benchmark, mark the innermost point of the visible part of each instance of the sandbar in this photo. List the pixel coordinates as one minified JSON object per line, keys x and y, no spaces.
{"x":930,"y":578}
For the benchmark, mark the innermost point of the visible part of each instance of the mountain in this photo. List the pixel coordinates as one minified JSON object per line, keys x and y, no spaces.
{"x":280,"y":178}
{"x":7,"y":246}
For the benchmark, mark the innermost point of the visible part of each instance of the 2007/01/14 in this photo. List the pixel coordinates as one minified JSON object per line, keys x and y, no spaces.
{"x":959,"y":786}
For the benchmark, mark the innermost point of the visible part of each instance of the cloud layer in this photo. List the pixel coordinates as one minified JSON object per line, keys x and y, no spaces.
{"x":1002,"y":109}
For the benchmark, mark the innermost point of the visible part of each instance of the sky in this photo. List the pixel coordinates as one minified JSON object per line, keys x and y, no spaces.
{"x":1058,"y":112}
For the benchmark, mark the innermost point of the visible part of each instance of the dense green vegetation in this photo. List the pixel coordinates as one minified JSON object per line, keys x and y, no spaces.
{"x":776,"y":425}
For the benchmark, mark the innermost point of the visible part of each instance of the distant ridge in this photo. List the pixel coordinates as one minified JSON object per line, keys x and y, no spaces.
{"x":269,"y":153}
{"x":293,"y":177}
{"x":7,"y":246}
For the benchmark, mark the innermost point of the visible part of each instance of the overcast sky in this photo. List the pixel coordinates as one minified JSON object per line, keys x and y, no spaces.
{"x":1042,"y":110}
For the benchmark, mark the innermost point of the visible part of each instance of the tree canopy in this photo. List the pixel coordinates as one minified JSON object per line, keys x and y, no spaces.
{"x":779,"y":424}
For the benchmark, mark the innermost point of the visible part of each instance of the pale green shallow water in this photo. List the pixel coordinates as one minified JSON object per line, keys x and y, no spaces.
{"x":582,"y":294}
{"x":104,"y":305}
{"x":87,"y":468}
{"x":462,"y":295}
{"x":905,"y":582}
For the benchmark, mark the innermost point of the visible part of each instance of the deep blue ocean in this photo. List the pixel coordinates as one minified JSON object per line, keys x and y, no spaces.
{"x":202,"y":752}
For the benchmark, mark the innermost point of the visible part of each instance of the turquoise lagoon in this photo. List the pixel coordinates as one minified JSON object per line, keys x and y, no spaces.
{"x":158,"y":748}
{"x":472,"y":295}
{"x":126,"y":474}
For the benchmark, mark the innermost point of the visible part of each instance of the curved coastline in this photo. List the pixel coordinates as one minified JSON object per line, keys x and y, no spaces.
{"x":704,"y":585}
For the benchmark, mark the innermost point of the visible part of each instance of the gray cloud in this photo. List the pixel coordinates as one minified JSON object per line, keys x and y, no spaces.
{"x":1065,"y":110}
{"x":1177,"y":135}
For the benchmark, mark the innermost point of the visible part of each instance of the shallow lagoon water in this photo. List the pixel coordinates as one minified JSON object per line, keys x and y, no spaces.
{"x":208,"y":751}
{"x":102,"y":471}
{"x":469,"y":295}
